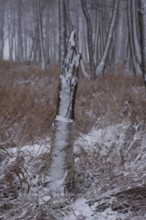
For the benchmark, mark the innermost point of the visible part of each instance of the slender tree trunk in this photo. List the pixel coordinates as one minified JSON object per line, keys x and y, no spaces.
{"x":39,"y":18}
{"x":1,"y":34}
{"x":132,"y":35}
{"x":97,"y":33}
{"x":121,"y":34}
{"x":61,"y":169}
{"x":142,"y":10}
{"x":19,"y":32}
{"x":101,"y":66}
{"x":62,"y":30}
{"x":101,"y":32}
{"x":136,"y":34}
{"x":89,"y":36}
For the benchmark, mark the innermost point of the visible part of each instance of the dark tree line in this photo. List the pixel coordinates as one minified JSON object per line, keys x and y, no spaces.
{"x":108,"y":33}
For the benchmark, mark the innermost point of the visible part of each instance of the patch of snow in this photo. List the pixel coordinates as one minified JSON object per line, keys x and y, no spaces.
{"x":62,"y":118}
{"x":101,"y":137}
{"x":34,"y":150}
{"x":81,"y":210}
{"x":107,"y":143}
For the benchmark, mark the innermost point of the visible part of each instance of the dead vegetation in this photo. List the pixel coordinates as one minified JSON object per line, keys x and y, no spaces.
{"x":28,"y":101}
{"x":27,"y":110}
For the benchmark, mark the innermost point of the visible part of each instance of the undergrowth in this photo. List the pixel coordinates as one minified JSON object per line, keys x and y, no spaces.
{"x":28,"y":99}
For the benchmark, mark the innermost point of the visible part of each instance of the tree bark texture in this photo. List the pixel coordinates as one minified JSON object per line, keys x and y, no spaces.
{"x":61,"y":169}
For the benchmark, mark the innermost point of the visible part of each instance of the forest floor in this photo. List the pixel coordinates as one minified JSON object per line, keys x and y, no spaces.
{"x":109,"y":149}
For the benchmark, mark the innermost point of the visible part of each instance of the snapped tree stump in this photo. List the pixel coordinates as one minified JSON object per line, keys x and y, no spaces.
{"x":61,"y":170}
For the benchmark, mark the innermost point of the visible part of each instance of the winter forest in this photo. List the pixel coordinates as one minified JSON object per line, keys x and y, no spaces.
{"x":72,"y":109}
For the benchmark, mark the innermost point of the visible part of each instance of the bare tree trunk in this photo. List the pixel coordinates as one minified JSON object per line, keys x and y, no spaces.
{"x":136,"y":40}
{"x":101,"y":42}
{"x":142,"y":10}
{"x":132,"y":35}
{"x":39,"y":18}
{"x":61,"y":169}
{"x":82,"y":66}
{"x":1,"y":34}
{"x":89,"y":36}
{"x":62,"y":30}
{"x":121,"y":34}
{"x":102,"y":64}
{"x":19,"y":32}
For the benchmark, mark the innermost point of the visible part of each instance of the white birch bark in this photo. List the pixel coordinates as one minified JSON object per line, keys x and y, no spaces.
{"x":62,"y":162}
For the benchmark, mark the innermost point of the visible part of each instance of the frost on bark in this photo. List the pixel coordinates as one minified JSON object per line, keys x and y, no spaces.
{"x":142,"y":10}
{"x":61,"y":170}
{"x":102,"y":64}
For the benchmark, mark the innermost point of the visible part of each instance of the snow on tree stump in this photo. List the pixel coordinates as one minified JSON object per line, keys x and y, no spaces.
{"x":61,"y":170}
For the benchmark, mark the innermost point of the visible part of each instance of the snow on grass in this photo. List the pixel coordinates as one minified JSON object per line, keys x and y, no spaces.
{"x":81,"y":210}
{"x":103,"y":137}
{"x":34,"y":150}
{"x":109,"y":144}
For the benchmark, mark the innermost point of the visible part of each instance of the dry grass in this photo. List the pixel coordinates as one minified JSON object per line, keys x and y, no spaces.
{"x":27,"y":108}
{"x":28,"y":101}
{"x":113,"y":95}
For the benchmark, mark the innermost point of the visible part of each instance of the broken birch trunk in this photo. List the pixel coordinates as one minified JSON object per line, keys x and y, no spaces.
{"x":61,"y":170}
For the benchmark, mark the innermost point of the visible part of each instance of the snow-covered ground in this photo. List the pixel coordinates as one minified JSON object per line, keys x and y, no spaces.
{"x":111,"y":178}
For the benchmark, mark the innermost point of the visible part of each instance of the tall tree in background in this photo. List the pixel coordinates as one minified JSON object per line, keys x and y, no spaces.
{"x":102,"y":64}
{"x":36,"y":31}
{"x":40,"y":31}
{"x":133,"y":41}
{"x":121,"y":35}
{"x":89,"y":36}
{"x":19,"y":31}
{"x":142,"y":10}
{"x":2,"y":23}
{"x":61,"y":169}
{"x":63,"y":30}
